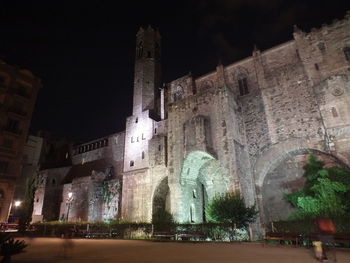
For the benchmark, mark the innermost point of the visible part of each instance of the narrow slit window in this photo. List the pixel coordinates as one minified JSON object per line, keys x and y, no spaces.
{"x":131,"y":163}
{"x":243,"y":86}
{"x":143,"y":155}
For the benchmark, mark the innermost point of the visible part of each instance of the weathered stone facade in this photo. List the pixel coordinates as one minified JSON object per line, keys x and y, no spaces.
{"x":245,"y":127}
{"x":18,"y":91}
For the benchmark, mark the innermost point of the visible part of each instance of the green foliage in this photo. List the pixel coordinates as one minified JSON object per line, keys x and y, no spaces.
{"x":324,"y":194}
{"x":230,"y":208}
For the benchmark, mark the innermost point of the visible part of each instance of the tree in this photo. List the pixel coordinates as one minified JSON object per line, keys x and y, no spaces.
{"x":230,"y":208}
{"x":10,"y":247}
{"x":325,"y":192}
{"x":27,"y":207}
{"x":162,"y":220}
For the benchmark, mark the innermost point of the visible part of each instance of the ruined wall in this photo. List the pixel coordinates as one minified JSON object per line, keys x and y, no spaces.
{"x":48,"y":195}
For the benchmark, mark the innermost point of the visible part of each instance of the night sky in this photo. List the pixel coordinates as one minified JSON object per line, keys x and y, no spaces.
{"x":84,"y":50}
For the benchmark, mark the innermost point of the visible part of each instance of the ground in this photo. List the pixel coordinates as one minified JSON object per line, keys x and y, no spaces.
{"x":132,"y":251}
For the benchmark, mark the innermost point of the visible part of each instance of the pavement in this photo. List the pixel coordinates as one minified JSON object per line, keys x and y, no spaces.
{"x":134,"y":251}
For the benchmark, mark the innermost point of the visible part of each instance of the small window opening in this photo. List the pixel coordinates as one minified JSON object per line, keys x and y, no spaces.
{"x":37,"y":200}
{"x":143,"y":155}
{"x":155,"y":130}
{"x":194,"y":193}
{"x":334,"y":112}
{"x":159,"y":147}
{"x":347,"y":53}
{"x":132,"y":139}
{"x":243,"y":86}
{"x":53,"y":181}
{"x":136,"y":120}
{"x":131,"y":163}
{"x":316,"y":67}
{"x":143,"y":138}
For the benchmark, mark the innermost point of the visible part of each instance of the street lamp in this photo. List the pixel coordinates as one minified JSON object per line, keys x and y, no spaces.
{"x":18,"y":203}
{"x":69,"y":202}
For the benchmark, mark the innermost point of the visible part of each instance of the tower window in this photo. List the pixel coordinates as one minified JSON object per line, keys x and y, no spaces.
{"x":317,"y":67}
{"x":131,"y":163}
{"x":143,"y":155}
{"x":143,"y":137}
{"x":136,"y":120}
{"x":347,"y":53}
{"x":159,"y":147}
{"x":155,"y":130}
{"x":140,"y":49}
{"x":334,"y":112}
{"x":243,"y":86}
{"x":3,"y":166}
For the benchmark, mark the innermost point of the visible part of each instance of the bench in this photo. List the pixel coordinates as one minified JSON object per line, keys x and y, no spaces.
{"x":164,"y":235}
{"x":294,"y":238}
{"x":191,"y":235}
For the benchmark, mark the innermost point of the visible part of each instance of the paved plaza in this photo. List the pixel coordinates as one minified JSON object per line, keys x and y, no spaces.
{"x":132,"y":251}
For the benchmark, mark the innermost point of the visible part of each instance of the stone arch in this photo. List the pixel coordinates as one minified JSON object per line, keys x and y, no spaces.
{"x":161,"y":200}
{"x":201,"y":178}
{"x":282,"y":173}
{"x":271,"y":157}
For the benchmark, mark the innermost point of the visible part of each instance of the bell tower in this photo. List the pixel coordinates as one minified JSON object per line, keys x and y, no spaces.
{"x":147,"y":70}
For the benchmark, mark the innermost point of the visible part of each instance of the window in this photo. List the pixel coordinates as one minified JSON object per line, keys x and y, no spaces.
{"x":155,"y":130}
{"x":347,"y":53}
{"x":143,"y":155}
{"x":12,"y":125}
{"x":194,"y":193}
{"x":316,"y":67}
{"x":334,"y":112}
{"x":136,"y":120}
{"x":131,"y":163}
{"x":143,"y":137}
{"x":243,"y":86}
{"x":140,"y":49}
{"x":7,"y":143}
{"x":178,"y":93}
{"x":132,"y":139}
{"x":53,"y":181}
{"x":3,"y":166}
{"x":322,"y":47}
{"x":159,"y":147}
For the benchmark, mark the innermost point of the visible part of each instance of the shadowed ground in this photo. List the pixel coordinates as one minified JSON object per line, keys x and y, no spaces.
{"x":130,"y":251}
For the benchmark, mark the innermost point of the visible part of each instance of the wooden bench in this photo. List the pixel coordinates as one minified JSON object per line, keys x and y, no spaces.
{"x":294,"y":238}
{"x":337,"y":238}
{"x":164,"y":235}
{"x":191,"y":236}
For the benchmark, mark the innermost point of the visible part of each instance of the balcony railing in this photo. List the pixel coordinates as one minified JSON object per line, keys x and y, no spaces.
{"x":18,"y":111}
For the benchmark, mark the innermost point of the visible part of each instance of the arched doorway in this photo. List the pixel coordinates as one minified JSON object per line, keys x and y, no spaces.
{"x":201,"y":178}
{"x":161,"y":197}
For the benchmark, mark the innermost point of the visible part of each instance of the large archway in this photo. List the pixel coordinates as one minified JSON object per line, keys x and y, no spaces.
{"x":201,"y":178}
{"x":284,"y":177}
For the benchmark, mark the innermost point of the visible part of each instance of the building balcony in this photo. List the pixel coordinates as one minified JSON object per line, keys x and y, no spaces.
{"x":18,"y":111}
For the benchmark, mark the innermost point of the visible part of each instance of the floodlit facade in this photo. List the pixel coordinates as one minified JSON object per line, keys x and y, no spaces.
{"x":246,"y":127}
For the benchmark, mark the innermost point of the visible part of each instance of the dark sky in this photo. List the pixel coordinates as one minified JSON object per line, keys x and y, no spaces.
{"x":84,"y":50}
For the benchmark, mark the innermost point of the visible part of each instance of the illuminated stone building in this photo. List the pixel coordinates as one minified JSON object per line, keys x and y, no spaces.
{"x":246,"y":127}
{"x":18,"y":92}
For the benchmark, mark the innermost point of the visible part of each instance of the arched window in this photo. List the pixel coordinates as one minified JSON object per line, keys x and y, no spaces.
{"x":177,"y":93}
{"x":243,"y":86}
{"x":140,"y":49}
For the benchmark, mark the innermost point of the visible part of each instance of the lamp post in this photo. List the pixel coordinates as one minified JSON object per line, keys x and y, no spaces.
{"x":69,"y":202}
